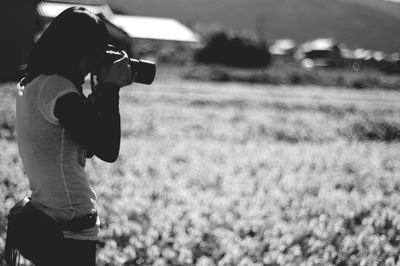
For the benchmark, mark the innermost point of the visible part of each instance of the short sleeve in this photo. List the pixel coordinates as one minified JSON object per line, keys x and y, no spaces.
{"x":54,"y":87}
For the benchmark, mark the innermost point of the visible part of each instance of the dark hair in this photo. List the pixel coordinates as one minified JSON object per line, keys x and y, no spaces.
{"x":73,"y":34}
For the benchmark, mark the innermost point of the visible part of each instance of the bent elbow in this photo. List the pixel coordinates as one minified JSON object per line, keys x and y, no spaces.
{"x":108,"y":156}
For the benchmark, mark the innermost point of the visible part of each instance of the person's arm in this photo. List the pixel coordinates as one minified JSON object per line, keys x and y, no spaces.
{"x":95,"y":122}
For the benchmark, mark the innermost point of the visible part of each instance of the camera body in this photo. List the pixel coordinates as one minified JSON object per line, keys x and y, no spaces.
{"x":145,"y":70}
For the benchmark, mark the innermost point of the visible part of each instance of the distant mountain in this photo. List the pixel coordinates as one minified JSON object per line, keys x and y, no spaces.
{"x":388,"y":7}
{"x":371,"y":24}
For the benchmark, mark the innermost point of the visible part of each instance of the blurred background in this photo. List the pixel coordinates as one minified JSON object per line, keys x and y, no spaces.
{"x":270,"y":136}
{"x":257,"y":35}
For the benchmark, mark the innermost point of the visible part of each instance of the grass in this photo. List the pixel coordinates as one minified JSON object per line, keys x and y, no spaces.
{"x":291,"y":74}
{"x":240,"y":174}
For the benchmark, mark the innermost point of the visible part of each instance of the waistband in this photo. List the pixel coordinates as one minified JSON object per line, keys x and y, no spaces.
{"x":79,"y":223}
{"x":75,"y":225}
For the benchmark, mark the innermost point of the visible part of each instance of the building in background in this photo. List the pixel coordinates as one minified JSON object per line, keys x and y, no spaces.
{"x":322,"y":52}
{"x":283,"y":48}
{"x":328,"y":52}
{"x":128,"y":32}
{"x":23,"y":21}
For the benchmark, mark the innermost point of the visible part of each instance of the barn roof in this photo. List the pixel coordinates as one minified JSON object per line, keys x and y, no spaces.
{"x":282,"y":46}
{"x":320,"y":44}
{"x":135,"y":26}
{"x":154,"y":28}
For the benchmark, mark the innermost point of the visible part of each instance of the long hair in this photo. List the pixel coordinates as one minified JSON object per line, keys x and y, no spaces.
{"x":71,"y":36}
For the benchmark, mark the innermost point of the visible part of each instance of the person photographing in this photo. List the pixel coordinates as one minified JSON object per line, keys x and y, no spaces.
{"x":58,"y":127}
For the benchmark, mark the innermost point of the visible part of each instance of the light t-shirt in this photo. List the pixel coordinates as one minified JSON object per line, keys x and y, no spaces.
{"x":53,"y":161}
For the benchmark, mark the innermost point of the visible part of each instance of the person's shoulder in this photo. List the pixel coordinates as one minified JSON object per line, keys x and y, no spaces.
{"x":55,"y":86}
{"x":59,"y":81}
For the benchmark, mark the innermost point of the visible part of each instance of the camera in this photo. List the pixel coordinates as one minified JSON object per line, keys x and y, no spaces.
{"x":145,"y":70}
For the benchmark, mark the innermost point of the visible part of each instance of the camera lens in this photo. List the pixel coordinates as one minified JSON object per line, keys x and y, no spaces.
{"x":146,"y":71}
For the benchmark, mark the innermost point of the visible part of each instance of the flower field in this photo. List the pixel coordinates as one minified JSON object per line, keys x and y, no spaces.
{"x":234,"y":174}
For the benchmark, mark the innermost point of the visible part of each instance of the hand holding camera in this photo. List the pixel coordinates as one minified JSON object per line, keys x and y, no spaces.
{"x":116,"y":67}
{"x":118,"y":73}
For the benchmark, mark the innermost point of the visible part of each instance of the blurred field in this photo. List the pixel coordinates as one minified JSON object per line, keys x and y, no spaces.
{"x":234,"y":174}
